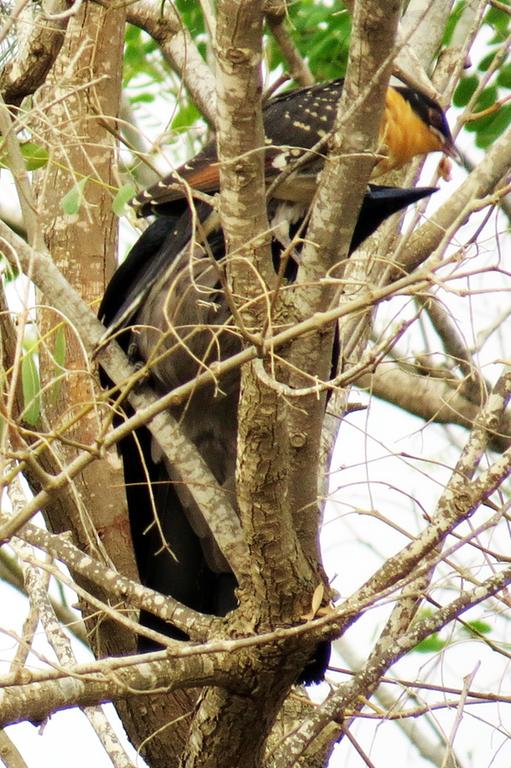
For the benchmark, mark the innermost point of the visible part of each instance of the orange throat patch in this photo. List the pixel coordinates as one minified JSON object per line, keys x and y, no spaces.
{"x":403,"y":134}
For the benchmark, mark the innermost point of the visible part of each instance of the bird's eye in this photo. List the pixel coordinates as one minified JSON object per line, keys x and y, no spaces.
{"x":434,"y":120}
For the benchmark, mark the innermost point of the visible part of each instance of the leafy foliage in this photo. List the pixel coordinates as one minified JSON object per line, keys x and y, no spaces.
{"x":138,"y":59}
{"x":321,"y":33}
{"x":490,"y":96}
{"x":31,"y":385}
{"x":34,"y":155}
{"x":72,"y":200}
{"x":123,"y":196}
{"x":435,"y":642}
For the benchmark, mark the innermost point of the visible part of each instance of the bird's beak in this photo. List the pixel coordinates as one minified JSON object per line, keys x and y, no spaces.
{"x":446,"y":141}
{"x":449,"y":148}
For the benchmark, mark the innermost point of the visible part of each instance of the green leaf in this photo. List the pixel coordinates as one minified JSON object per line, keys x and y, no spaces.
{"x":186,"y":116}
{"x":493,"y":126}
{"x":59,"y":360}
{"x":142,"y":98}
{"x":9,"y":271}
{"x":504,"y":77}
{"x":499,"y":20}
{"x":132,"y":35}
{"x":486,"y":61}
{"x":486,"y":99}
{"x":35,"y":155}
{"x":321,"y":35}
{"x":191,"y":13}
{"x":125,"y":193}
{"x":431,"y":644}
{"x":140,"y":55}
{"x":72,"y":200}
{"x":477,"y":627}
{"x":452,"y":22}
{"x":31,"y":386}
{"x":465,"y":91}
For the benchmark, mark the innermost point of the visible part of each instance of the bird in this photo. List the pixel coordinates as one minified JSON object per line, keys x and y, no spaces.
{"x":166,"y":306}
{"x":294,"y":122}
{"x":178,"y":556}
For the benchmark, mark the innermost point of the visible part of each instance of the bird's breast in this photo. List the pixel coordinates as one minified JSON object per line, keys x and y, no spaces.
{"x":403,"y":135}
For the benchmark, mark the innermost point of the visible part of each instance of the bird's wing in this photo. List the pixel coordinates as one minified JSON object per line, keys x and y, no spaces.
{"x":294,"y":122}
{"x":155,"y":254}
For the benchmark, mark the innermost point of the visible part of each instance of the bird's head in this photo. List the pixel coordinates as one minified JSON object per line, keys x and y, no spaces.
{"x":433,"y":116}
{"x":413,"y":124}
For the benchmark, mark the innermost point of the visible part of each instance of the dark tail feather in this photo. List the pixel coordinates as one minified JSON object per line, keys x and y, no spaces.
{"x":381,"y":202}
{"x":169,"y":556}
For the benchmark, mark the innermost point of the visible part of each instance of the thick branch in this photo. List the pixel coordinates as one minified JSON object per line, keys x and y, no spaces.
{"x":430,"y":398}
{"x":180,"y":451}
{"x":164,"y":24}
{"x":25,"y":73}
{"x":482,"y":181}
{"x":37,"y":701}
{"x":348,"y":693}
{"x":117,"y":585}
{"x":335,"y":211}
